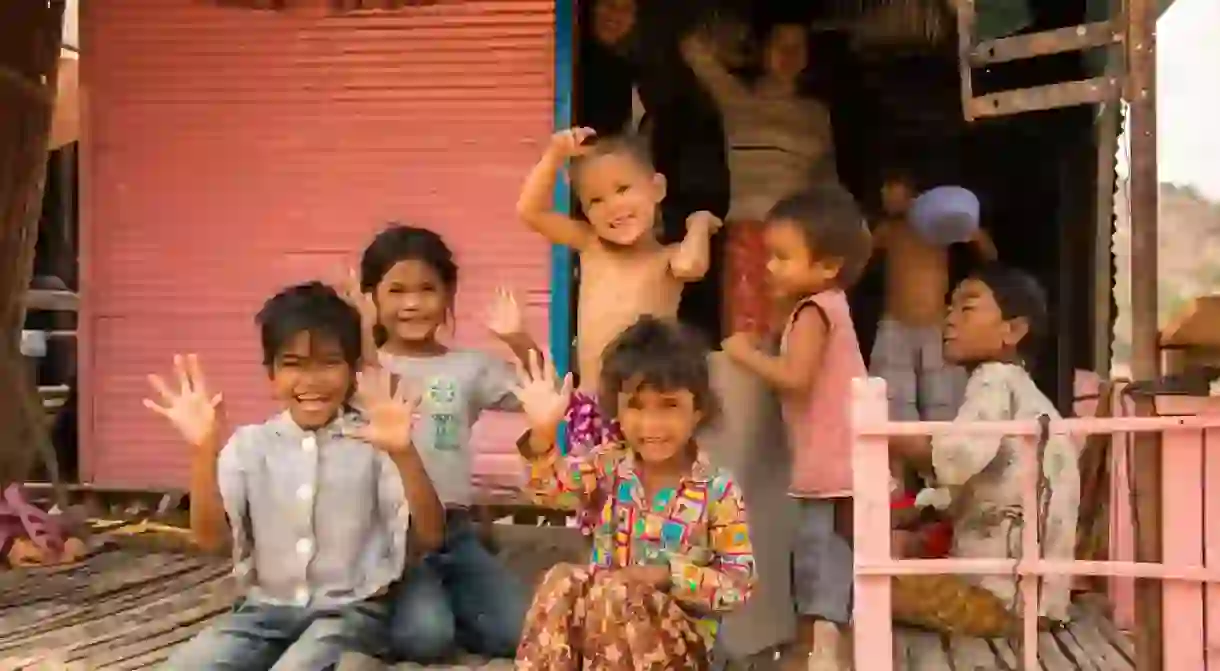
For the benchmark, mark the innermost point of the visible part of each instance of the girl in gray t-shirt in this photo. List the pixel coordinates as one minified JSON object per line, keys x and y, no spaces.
{"x":460,"y":595}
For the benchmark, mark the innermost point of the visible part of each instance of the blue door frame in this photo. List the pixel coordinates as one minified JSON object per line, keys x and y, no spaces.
{"x":561,"y":256}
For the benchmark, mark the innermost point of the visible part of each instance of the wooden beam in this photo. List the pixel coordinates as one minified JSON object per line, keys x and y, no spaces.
{"x":52,"y":301}
{"x":32,"y":31}
{"x":1052,"y":96}
{"x":1144,"y":189}
{"x":1032,"y":45}
{"x":1107,"y":129}
{"x":39,"y":93}
{"x":965,"y":46}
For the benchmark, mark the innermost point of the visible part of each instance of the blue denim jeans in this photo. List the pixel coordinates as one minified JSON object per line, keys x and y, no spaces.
{"x":256,"y":637}
{"x":459,"y":596}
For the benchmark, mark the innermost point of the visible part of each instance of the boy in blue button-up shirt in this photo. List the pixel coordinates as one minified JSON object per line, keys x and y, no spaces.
{"x":318,"y":499}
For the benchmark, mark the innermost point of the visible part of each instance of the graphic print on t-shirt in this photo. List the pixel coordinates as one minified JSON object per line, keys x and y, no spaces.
{"x":441,"y":404}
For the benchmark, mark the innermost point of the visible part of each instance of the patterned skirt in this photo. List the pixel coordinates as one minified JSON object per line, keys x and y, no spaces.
{"x":581,"y":620}
{"x":950,"y":605}
{"x":747,"y":303}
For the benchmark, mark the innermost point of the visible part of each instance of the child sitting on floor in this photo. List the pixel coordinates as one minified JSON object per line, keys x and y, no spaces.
{"x":317,"y":498}
{"x":996,"y":319}
{"x":460,"y":595}
{"x":625,"y":271}
{"x":671,"y":552}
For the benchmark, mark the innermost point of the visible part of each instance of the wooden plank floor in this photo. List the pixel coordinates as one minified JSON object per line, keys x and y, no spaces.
{"x":126,"y":608}
{"x":1089,"y":643}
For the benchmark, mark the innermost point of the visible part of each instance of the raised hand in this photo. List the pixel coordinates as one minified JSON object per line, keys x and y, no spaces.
{"x":504,"y":316}
{"x":710,"y":222}
{"x":193,"y":410}
{"x":571,"y":142}
{"x":542,"y":404}
{"x":389,"y":412}
{"x":363,"y":302}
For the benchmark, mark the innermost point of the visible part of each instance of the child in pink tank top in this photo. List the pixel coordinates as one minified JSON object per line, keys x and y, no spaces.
{"x":818,"y":245}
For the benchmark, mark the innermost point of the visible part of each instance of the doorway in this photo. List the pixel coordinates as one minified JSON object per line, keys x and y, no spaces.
{"x":1034,"y":173}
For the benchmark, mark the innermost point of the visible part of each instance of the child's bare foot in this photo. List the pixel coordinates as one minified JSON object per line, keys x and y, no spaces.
{"x":827,"y":641}
{"x":795,"y":658}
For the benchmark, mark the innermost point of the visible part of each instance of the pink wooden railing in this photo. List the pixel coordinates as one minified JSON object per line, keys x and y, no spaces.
{"x":1190,"y":571}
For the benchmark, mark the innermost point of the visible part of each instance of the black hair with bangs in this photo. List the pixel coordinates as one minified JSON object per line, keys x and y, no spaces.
{"x":660,"y":354}
{"x":1019,"y":296}
{"x":313,"y":308}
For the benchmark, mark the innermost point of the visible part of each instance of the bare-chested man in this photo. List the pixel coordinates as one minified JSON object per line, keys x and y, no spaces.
{"x":907,"y":351}
{"x":625,"y":271}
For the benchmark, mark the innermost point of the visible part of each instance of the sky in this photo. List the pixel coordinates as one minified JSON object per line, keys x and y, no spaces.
{"x":1188,"y":95}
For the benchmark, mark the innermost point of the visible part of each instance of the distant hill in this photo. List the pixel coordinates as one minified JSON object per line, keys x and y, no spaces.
{"x":1189,"y":260}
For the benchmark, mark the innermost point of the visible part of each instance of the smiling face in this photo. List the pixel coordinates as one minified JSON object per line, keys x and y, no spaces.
{"x":613,"y":20}
{"x":975,"y":328}
{"x":311,"y":378}
{"x":619,"y":196}
{"x":412,"y":303}
{"x":786,"y":53}
{"x":658,"y":423}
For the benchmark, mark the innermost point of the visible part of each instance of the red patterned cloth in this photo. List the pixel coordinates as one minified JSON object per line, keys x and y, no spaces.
{"x":747,"y":304}
{"x":936,"y":538}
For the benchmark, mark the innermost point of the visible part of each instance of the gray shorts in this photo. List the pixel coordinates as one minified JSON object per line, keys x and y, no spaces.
{"x":822,"y":568}
{"x":919,"y":384}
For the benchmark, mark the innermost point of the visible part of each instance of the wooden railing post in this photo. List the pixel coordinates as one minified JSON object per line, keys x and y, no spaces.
{"x":873,"y":630}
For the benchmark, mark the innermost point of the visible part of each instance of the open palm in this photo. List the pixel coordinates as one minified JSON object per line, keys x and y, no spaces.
{"x":504,"y":317}
{"x":192,"y":409}
{"x":542,"y":404}
{"x":387,"y":410}
{"x":363,"y":302}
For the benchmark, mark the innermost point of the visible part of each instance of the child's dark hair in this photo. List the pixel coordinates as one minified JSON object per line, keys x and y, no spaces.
{"x":398,"y":243}
{"x":313,"y":308}
{"x":1019,"y":296}
{"x":634,"y":147}
{"x":661,"y":354}
{"x":833,"y":227}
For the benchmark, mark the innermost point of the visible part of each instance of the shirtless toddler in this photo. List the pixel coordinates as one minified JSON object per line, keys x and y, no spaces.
{"x":907,"y":351}
{"x":625,"y":272}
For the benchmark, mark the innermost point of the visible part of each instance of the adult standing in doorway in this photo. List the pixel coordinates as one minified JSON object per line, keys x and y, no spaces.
{"x":643,"y":86}
{"x":779,"y":142}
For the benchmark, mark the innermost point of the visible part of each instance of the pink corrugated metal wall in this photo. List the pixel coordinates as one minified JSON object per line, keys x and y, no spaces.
{"x":230,"y":152}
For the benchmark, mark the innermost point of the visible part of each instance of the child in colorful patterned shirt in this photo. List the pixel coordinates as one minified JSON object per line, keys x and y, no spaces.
{"x":671,"y":551}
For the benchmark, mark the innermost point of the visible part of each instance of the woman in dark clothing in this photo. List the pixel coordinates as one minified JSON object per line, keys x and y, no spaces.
{"x":634,"y":79}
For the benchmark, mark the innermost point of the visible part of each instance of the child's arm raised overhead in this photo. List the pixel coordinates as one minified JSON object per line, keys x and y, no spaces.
{"x":795,"y":370}
{"x":554,"y":479}
{"x":726,"y":581}
{"x":984,"y":245}
{"x":699,"y":52}
{"x":195,"y":413}
{"x":690,"y":258}
{"x":534,"y":207}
